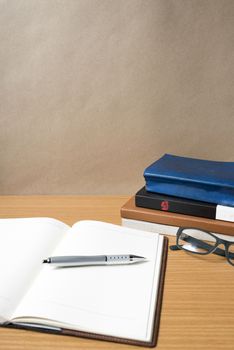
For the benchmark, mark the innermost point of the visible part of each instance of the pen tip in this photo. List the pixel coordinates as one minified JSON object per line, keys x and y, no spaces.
{"x":137,"y":258}
{"x":44,"y":261}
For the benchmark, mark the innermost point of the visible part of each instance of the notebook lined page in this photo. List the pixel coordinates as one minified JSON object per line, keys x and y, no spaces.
{"x":111,"y":300}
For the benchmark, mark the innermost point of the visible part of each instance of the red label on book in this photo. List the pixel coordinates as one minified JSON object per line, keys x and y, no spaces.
{"x":165,"y":205}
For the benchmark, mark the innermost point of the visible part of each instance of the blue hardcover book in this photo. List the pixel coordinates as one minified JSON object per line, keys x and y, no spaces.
{"x":202,"y":180}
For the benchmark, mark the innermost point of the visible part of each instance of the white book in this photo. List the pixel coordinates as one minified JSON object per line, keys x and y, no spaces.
{"x":161,"y":228}
{"x":117,"y":302}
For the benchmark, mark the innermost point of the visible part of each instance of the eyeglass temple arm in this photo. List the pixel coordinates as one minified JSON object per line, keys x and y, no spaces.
{"x":201,"y":244}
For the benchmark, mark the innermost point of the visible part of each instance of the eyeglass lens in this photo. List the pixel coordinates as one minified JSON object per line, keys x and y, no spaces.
{"x":197,"y":241}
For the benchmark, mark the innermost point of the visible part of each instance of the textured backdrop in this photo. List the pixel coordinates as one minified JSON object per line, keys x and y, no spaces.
{"x":93,"y":91}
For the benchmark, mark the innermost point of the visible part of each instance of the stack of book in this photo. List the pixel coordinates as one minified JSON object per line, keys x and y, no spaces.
{"x":186,"y":192}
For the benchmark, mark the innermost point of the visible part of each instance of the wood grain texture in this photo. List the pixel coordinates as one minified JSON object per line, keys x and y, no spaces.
{"x":198,"y":302}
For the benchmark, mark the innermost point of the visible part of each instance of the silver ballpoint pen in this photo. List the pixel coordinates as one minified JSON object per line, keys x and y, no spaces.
{"x":65,"y":261}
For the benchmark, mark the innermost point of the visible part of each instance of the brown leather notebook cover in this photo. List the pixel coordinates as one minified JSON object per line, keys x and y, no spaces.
{"x":130,"y":211}
{"x":95,"y":336}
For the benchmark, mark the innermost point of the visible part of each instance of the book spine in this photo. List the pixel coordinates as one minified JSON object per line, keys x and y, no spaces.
{"x":177,"y":205}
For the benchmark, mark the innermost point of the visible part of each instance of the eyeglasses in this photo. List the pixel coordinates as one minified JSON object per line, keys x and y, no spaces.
{"x":201,"y":242}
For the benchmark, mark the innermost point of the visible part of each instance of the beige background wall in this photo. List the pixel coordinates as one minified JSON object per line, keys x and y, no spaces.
{"x":93,"y":91}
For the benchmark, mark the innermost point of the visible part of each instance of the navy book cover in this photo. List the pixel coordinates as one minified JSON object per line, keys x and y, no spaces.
{"x":197,"y":179}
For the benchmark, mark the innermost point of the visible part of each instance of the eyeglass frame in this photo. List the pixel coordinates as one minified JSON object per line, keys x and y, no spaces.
{"x":214,"y":250}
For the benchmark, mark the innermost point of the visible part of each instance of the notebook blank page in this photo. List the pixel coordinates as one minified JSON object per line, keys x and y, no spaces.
{"x":112,"y":300}
{"x":23,"y":244}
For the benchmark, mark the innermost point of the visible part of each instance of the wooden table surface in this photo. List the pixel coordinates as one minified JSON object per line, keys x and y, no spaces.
{"x":198,"y":302}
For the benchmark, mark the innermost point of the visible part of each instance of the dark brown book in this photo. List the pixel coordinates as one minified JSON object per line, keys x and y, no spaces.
{"x":130,"y":211}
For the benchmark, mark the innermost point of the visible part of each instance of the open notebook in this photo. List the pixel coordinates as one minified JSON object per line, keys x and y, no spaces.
{"x":118,"y":303}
